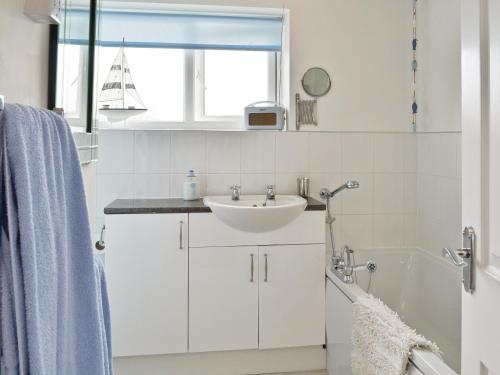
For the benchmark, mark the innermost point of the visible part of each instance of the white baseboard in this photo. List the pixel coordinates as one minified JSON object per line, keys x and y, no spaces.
{"x":225,"y":363}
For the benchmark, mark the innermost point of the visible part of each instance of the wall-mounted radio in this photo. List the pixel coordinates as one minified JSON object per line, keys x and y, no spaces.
{"x":264,"y":116}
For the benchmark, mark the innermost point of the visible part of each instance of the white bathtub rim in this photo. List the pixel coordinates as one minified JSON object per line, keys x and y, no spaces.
{"x":445,"y":262}
{"x":426,"y":362}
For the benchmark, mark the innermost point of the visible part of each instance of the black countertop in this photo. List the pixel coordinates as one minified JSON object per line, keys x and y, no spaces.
{"x":174,"y":206}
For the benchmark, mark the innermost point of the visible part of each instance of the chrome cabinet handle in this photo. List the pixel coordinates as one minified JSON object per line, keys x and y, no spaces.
{"x":251,"y":268}
{"x":181,"y":223}
{"x":266,"y":268}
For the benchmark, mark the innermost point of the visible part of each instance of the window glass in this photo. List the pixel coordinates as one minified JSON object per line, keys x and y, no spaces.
{"x":70,"y":81}
{"x":157,"y":75}
{"x":234,"y":79}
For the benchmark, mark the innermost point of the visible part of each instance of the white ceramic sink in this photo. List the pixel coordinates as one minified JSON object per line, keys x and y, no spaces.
{"x":249,"y":213}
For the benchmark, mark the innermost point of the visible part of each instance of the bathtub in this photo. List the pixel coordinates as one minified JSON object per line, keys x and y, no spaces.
{"x":423,"y":289}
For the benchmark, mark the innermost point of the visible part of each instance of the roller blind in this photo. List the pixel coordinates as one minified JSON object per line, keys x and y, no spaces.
{"x":74,"y":28}
{"x":194,"y":30}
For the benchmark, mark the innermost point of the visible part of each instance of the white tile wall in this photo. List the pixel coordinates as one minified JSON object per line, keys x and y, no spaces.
{"x":151,"y":185}
{"x":258,"y":152}
{"x":188,"y":151}
{"x":438,"y":219}
{"x":116,"y":152}
{"x":256,"y":183}
{"x":223,"y":153}
{"x":389,"y":193}
{"x":325,"y":153}
{"x":357,"y":152}
{"x":151,"y":152}
{"x":358,"y":201}
{"x":292,"y":153}
{"x":381,"y":213}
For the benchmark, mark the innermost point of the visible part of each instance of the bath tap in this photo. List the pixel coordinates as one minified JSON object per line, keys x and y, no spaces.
{"x":343,"y":266}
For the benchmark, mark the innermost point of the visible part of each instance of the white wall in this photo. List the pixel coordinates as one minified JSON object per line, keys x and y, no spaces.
{"x":439,"y":66}
{"x":439,"y":191}
{"x":23,"y":56}
{"x":439,"y":125}
{"x":439,"y":197}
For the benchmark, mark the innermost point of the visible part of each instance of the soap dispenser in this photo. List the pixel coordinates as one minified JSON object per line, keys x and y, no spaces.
{"x":191,"y":187}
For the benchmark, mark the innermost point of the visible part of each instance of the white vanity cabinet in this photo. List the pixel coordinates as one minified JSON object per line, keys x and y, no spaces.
{"x":262,"y":296}
{"x":223,"y":298}
{"x":291,"y":296}
{"x":187,"y":282}
{"x":147,"y":273}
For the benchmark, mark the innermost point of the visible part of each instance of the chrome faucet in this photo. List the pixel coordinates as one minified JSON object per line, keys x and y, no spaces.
{"x":270,"y":195}
{"x":235,"y":192}
{"x":343,"y":266}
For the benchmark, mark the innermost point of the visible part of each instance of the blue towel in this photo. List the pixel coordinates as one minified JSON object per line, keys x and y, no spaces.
{"x":52,"y":322}
{"x":105,"y":316}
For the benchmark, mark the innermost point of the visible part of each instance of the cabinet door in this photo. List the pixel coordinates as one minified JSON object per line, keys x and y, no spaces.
{"x":291,"y":296}
{"x":147,"y":271}
{"x":223,"y":299}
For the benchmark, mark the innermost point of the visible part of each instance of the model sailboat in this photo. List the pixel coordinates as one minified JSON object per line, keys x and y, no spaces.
{"x":119,"y":98}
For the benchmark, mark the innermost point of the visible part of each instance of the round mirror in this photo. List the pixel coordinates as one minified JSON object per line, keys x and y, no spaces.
{"x":316,"y":82}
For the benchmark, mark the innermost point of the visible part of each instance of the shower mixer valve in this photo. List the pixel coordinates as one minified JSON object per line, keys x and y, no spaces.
{"x":343,"y":266}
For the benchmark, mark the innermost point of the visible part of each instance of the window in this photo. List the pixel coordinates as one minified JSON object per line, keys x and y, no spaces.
{"x":72,"y":62}
{"x":71,"y":83}
{"x":186,"y":69}
{"x":231,"y":80}
{"x":224,"y":81}
{"x":158,"y":76}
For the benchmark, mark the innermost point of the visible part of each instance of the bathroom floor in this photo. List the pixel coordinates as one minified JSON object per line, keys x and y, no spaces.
{"x":319,"y":372}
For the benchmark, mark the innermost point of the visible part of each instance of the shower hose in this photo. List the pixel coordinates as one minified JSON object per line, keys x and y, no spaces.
{"x":329,"y":221}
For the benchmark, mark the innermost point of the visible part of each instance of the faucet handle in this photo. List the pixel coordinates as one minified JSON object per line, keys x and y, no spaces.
{"x":235,"y":192}
{"x":270,"y":195}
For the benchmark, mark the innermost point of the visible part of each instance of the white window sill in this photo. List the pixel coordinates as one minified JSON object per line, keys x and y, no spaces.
{"x":165,"y":125}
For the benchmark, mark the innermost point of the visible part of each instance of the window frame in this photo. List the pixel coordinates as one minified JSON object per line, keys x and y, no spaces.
{"x":193,"y":116}
{"x":282,"y":72}
{"x":198,"y":79}
{"x":77,"y":119}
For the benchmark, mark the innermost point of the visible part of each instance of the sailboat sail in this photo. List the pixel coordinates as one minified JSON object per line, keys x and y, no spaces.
{"x":129,"y":83}
{"x":111,"y":93}
{"x":118,"y":91}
